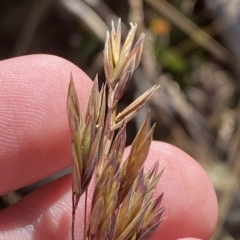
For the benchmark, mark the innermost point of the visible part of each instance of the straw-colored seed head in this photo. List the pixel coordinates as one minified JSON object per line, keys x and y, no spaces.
{"x":122,"y":207}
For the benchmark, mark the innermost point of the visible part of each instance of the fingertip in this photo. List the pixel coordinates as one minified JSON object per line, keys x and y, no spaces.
{"x":35,"y":138}
{"x":189,"y":196}
{"x":43,"y":214}
{"x":185,"y":217}
{"x":189,"y":239}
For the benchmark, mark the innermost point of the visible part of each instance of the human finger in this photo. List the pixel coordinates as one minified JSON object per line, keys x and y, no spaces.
{"x":190,"y":200}
{"x":34,"y":132}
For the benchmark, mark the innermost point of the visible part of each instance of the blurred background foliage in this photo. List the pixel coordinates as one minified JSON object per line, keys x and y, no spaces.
{"x":191,"y":50}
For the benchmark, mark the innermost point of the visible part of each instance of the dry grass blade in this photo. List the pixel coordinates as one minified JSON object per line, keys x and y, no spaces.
{"x":86,"y":135}
{"x":123,"y":81}
{"x":93,"y":157}
{"x":86,"y":139}
{"x":74,"y":114}
{"x":106,"y":191}
{"x":122,"y":206}
{"x":129,"y":112}
{"x":93,"y":102}
{"x":137,"y":104}
{"x":96,"y":216}
{"x":116,"y":41}
{"x":138,"y":217}
{"x":152,"y":220}
{"x":137,"y":50}
{"x":130,"y":206}
{"x":124,"y":55}
{"x":76,"y":126}
{"x":134,"y":163}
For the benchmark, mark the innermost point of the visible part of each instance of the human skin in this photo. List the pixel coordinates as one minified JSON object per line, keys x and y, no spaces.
{"x":35,"y":143}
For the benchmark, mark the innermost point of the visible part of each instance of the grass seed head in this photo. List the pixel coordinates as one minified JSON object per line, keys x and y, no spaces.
{"x":122,"y":206}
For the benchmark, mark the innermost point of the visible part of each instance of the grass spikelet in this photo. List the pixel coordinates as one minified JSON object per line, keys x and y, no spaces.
{"x":122,"y":205}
